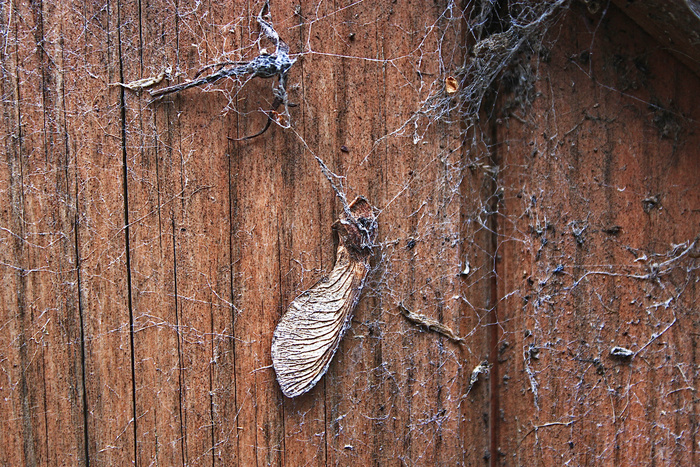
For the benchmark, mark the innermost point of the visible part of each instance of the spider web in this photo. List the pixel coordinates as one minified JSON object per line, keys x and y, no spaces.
{"x":516,"y":220}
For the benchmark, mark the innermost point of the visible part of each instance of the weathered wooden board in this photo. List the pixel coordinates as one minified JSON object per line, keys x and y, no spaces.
{"x":147,"y":257}
{"x":601,"y":202}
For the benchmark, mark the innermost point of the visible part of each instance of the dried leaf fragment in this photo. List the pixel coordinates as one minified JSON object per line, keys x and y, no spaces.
{"x":451,"y":85}
{"x":308,"y":335}
{"x":430,"y":324}
{"x":144,"y":83}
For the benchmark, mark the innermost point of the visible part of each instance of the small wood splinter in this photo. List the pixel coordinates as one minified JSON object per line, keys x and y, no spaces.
{"x":308,"y":335}
{"x":430,"y":324}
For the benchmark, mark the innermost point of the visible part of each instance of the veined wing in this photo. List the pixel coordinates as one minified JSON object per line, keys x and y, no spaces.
{"x":308,"y":335}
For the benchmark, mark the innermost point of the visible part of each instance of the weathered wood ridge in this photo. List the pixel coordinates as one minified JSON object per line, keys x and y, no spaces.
{"x":147,"y":258}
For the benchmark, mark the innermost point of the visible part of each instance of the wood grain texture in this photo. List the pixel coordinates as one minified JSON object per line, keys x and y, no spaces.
{"x":146,"y":258}
{"x":153,"y":202}
{"x":604,"y":136}
{"x":18,"y":432}
{"x":99,"y":126}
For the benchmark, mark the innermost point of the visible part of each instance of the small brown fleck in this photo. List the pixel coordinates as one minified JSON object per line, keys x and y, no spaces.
{"x":451,"y":85}
{"x":612,"y":230}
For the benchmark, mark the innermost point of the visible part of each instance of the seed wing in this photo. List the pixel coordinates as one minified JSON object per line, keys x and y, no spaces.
{"x":308,"y":335}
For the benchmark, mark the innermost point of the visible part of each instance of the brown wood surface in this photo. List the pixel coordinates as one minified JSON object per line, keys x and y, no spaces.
{"x":675,"y":24}
{"x":594,"y":265}
{"x":146,"y":258}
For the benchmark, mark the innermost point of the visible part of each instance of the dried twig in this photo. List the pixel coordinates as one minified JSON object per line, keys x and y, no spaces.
{"x":265,"y":65}
{"x":144,"y":83}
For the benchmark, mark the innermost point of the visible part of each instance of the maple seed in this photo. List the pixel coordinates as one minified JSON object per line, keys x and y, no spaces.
{"x":451,"y":85}
{"x":308,"y":335}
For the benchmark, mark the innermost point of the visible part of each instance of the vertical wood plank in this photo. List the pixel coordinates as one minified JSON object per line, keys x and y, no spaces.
{"x":423,"y":164}
{"x":17,"y":433}
{"x":225,"y":408}
{"x":601,"y":187}
{"x":50,"y":187}
{"x":153,"y":190}
{"x":47,"y":387}
{"x":200,"y":228}
{"x":32,"y":316}
{"x":340,"y":74}
{"x":96,"y":125}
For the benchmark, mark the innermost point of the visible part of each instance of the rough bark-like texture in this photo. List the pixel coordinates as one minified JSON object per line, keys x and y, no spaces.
{"x":146,"y":258}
